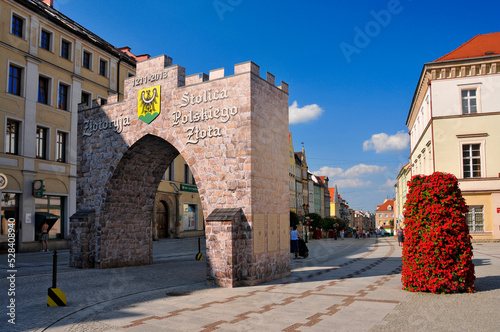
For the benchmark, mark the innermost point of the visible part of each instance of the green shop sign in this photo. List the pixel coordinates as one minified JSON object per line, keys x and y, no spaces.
{"x":188,"y":187}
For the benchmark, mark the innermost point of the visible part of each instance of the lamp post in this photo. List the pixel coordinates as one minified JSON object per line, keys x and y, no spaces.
{"x":307,"y":219}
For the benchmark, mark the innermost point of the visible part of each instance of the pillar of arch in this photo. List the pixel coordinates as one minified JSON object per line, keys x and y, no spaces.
{"x":233,"y":133}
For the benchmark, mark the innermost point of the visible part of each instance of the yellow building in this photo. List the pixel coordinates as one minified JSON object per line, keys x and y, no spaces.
{"x":401,"y":191}
{"x":454,"y":123}
{"x":178,"y":206}
{"x":50,"y":64}
{"x":291,"y":174}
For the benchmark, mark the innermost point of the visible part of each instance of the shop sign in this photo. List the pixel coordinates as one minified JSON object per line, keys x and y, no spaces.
{"x":3,"y":181}
{"x":190,"y":188}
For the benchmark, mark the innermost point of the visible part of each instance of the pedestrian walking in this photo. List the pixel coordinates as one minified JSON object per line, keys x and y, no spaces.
{"x":401,"y":237}
{"x":45,"y":235}
{"x":342,"y":234}
{"x":295,"y":242}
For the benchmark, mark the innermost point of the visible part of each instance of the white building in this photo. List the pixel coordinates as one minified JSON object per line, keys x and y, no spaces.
{"x":454,"y":123}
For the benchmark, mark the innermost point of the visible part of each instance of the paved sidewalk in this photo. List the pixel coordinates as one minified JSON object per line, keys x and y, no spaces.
{"x":350,"y":285}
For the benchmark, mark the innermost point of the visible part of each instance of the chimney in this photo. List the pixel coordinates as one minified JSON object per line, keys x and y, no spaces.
{"x":49,"y":2}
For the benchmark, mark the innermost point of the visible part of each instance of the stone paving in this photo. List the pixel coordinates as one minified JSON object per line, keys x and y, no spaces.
{"x":344,"y":285}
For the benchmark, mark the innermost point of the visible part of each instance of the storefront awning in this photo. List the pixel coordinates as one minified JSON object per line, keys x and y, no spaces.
{"x":41,"y":217}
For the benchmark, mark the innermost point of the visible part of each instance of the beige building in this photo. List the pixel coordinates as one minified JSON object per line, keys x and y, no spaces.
{"x":385,"y":214}
{"x":401,"y":192}
{"x":454,"y":123}
{"x":50,"y":64}
{"x":179,"y":211}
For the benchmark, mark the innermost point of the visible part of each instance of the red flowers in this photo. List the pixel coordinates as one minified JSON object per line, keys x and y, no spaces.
{"x":437,"y":252}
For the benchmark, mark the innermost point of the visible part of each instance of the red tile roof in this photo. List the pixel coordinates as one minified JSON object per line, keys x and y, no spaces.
{"x":479,"y":46}
{"x":332,"y":193}
{"x":385,"y":206}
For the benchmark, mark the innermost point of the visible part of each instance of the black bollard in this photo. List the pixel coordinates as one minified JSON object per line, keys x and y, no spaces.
{"x":54,"y":270}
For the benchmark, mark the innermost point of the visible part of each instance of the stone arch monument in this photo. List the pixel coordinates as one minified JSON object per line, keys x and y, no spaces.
{"x":233,"y":133}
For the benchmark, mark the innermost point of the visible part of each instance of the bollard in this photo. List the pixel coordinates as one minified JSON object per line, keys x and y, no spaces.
{"x":199,"y":255}
{"x":55,"y":297}
{"x":54,"y":269}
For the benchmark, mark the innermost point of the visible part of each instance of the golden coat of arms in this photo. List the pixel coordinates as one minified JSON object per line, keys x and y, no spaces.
{"x":148,"y":103}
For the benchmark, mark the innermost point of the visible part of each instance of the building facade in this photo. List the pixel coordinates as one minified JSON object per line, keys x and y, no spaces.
{"x":179,"y":211}
{"x":50,"y":65}
{"x":385,"y":214}
{"x":453,"y":123}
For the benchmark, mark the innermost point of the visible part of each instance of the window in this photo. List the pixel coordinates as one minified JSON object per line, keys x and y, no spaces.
{"x":43,"y":90}
{"x":380,"y":215}
{"x":87,"y":60}
{"x":62,"y":103}
{"x":15,"y":79}
{"x":65,"y":49}
{"x":189,"y":216}
{"x":469,"y":102}
{"x":61,"y":147}
{"x":18,"y":26}
{"x":86,"y":98}
{"x":41,"y":143}
{"x":12,"y":137}
{"x":475,"y":219}
{"x":186,"y":173}
{"x":386,"y":215}
{"x":103,"y":67}
{"x":171,"y":172}
{"x":471,"y":160}
{"x":46,"y":40}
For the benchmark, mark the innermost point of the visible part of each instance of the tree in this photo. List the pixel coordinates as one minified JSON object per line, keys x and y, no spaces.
{"x":316,"y":220}
{"x":329,"y":223}
{"x":294,"y":219}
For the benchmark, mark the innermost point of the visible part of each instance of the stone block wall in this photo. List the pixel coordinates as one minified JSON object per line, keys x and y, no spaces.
{"x":233,"y":133}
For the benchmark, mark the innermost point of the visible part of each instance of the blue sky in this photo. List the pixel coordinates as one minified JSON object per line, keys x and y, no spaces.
{"x":352,"y":66}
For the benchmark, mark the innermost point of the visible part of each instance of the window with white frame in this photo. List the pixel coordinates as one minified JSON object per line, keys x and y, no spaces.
{"x":61,"y":144}
{"x":41,"y":142}
{"x":63,"y":97}
{"x":44,"y":89}
{"x":66,"y":49}
{"x":471,"y":154}
{"x":171,"y":172}
{"x":469,"y":101}
{"x":18,"y":26}
{"x":475,"y":219}
{"x":46,"y":38}
{"x":12,"y":137}
{"x":87,"y":60}
{"x":15,"y":79}
{"x":86,"y":98}
{"x":103,"y":67}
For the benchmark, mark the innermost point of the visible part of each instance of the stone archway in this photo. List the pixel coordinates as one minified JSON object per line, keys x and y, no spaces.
{"x":233,"y":133}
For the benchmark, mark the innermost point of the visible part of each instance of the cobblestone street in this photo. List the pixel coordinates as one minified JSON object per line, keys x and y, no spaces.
{"x":344,"y":285}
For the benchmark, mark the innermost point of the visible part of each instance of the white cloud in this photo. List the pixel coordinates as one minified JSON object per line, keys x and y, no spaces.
{"x":389,"y":183}
{"x":353,"y":172}
{"x":352,"y":183}
{"x":307,"y":113}
{"x":383,"y":142}
{"x":350,"y":178}
{"x":362,"y":169}
{"x":331,"y":172}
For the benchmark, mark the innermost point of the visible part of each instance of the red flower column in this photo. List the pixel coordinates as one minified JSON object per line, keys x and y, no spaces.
{"x":437,"y":252}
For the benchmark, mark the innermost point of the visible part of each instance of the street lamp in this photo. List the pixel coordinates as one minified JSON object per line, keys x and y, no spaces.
{"x":307,"y":219}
